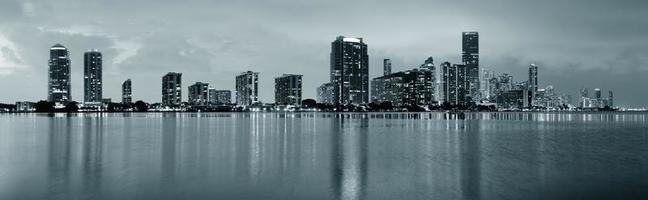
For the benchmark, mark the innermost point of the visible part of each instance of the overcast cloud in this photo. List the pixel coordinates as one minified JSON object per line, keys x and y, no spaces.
{"x":593,"y":43}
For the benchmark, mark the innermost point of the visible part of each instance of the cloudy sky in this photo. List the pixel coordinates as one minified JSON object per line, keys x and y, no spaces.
{"x":593,"y":43}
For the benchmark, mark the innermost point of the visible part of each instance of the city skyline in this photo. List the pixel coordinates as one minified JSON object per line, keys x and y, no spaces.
{"x":568,"y":60}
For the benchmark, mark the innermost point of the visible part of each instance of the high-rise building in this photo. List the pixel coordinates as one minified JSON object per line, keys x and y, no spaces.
{"x":454,"y":83}
{"x":172,"y":89}
{"x":411,"y":87}
{"x":429,"y":65}
{"x":584,"y":100}
{"x":611,"y":99}
{"x":387,"y":67}
{"x":288,"y":89}
{"x":92,"y":81}
{"x":326,"y":93}
{"x":199,"y":93}
{"x":59,"y":90}
{"x":127,"y":92}
{"x":533,"y":81}
{"x":486,"y":85}
{"x":470,"y":58}
{"x":220,"y":96}
{"x":598,"y":101}
{"x":350,"y":70}
{"x":247,"y":88}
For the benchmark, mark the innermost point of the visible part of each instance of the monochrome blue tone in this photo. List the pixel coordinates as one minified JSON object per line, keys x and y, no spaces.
{"x":324,"y":156}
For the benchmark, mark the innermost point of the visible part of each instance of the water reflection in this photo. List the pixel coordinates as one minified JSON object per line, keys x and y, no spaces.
{"x":59,"y":157}
{"x":349,"y":146}
{"x":324,"y":156}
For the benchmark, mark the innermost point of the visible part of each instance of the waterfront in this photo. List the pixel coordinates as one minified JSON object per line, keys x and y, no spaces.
{"x":324,"y":155}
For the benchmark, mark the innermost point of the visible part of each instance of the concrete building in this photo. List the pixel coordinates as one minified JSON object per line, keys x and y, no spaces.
{"x":247,"y":88}
{"x":172,"y":89}
{"x":326,"y":93}
{"x":288,"y":89}
{"x":218,"y":97}
{"x":199,"y":93}
{"x":411,"y":87}
{"x":127,"y":92}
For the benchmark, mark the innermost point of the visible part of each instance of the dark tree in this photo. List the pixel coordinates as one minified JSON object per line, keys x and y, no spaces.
{"x":309,"y":103}
{"x":72,"y":106}
{"x":115,"y":107}
{"x":44,"y":106}
{"x":140,"y":106}
{"x":386,"y":105}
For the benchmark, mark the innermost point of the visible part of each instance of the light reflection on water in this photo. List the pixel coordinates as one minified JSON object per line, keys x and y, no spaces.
{"x":323,"y":156}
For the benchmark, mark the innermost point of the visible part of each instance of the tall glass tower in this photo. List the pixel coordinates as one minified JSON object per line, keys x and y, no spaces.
{"x":350,"y":71}
{"x":59,"y":75}
{"x":470,"y":57}
{"x":92,"y":81}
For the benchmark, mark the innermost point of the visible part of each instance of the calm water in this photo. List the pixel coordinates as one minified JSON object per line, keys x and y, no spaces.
{"x":324,"y":156}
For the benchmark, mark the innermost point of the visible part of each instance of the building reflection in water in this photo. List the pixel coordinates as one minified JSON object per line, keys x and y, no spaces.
{"x":470,"y":159}
{"x":59,"y":156}
{"x":170,"y":129}
{"x":349,"y":157}
{"x":92,"y":153}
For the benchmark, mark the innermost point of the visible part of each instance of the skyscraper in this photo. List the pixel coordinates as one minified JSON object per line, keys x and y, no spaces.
{"x":288,"y":89}
{"x":598,"y":101}
{"x":199,"y":93}
{"x":92,"y":81}
{"x":584,"y":100}
{"x":172,"y":89}
{"x":59,"y":90}
{"x":220,"y":96}
{"x":127,"y":92}
{"x":428,"y":65}
{"x":470,"y":57}
{"x":610,"y":99}
{"x":247,"y":88}
{"x":350,"y":71}
{"x":533,"y":81}
{"x":454,"y":83}
{"x":387,"y":67}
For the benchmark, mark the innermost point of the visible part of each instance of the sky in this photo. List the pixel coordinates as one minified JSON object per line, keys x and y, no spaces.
{"x":592,"y":43}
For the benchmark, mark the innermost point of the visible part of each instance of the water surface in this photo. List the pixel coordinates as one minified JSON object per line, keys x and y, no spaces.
{"x":324,"y":156}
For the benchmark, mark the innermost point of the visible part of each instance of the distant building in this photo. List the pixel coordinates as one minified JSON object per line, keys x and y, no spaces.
{"x":470,"y":58}
{"x":411,"y":87}
{"x":247,"y":88}
{"x":387,"y":67}
{"x":172,"y":89}
{"x":486,"y":85}
{"x":454,"y":84}
{"x":220,"y":96}
{"x":106,"y":100}
{"x":59,"y":89}
{"x":429,"y":65}
{"x":288,"y":89}
{"x":611,"y":99}
{"x":584,"y":100}
{"x":92,"y":77}
{"x":127,"y":92}
{"x":514,"y":99}
{"x":350,"y":71}
{"x":25,"y":106}
{"x":199,"y":93}
{"x":533,"y":81}
{"x":326,"y":93}
{"x":598,"y":101}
